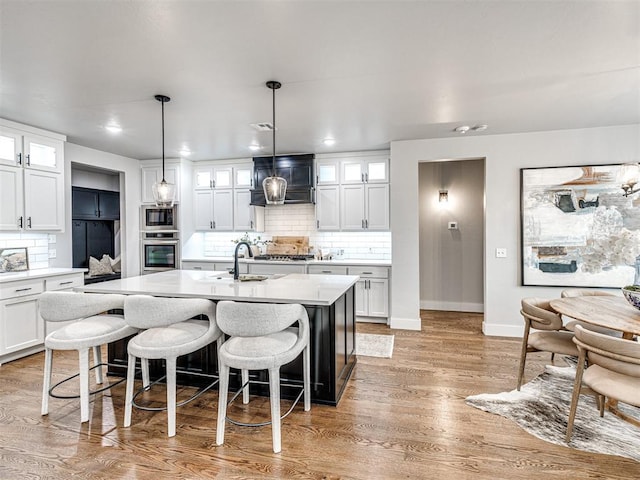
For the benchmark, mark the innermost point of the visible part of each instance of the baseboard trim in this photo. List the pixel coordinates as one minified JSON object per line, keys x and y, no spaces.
{"x":497,"y":330}
{"x":405,"y":323}
{"x":452,"y":306}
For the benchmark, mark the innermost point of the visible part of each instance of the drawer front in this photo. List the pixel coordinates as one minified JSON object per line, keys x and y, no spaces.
{"x":63,"y":282}
{"x":369,"y":272}
{"x":209,"y":266}
{"x":327,"y":270}
{"x":275,"y":269}
{"x":21,"y":288}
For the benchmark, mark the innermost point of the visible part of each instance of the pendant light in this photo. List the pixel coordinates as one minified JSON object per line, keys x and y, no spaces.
{"x":275,"y":188}
{"x":163,"y":192}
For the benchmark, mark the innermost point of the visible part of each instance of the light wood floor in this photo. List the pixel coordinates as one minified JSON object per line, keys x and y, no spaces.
{"x":400,"y":418}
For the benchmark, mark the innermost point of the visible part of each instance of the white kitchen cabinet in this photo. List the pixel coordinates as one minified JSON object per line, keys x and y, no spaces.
{"x":243,"y":176}
{"x":374,"y":169}
{"x":327,"y":172}
{"x":31,"y":200}
{"x":29,"y":150}
{"x":209,"y":177}
{"x":328,"y":207}
{"x":246,"y":217}
{"x":326,"y":270}
{"x":372,"y":291}
{"x":150,"y":174}
{"x":213,"y":210}
{"x":364,"y":207}
{"x":22,"y":329}
{"x":212,"y":266}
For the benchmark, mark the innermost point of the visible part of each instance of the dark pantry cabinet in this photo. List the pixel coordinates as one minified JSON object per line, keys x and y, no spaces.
{"x":92,"y":204}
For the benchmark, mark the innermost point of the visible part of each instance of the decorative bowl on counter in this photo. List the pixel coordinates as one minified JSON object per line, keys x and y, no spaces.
{"x":632,"y":294}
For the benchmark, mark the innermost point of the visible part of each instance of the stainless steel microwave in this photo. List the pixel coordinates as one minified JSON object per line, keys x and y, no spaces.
{"x":159,"y":218}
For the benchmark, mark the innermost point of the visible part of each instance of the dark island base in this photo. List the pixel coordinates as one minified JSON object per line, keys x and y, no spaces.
{"x":332,"y":342}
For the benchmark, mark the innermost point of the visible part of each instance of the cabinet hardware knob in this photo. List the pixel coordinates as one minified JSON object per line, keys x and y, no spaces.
{"x":20,"y":222}
{"x":28,"y":158}
{"x":66,"y":283}
{"x":23,"y":289}
{"x":366,"y":177}
{"x":251,"y":224}
{"x":19,"y":158}
{"x":197,"y":268}
{"x":28,"y":222}
{"x":367,"y":273}
{"x":211,"y":224}
{"x":214,"y":224}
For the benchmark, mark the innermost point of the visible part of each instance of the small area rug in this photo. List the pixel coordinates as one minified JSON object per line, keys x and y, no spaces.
{"x":371,"y":345}
{"x":541,"y":407}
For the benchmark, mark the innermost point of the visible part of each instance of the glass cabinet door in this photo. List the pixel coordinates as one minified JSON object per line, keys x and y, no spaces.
{"x":42,"y":153}
{"x":10,"y":147}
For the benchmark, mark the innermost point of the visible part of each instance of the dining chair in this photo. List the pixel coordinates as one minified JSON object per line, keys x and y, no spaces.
{"x":169,"y":330}
{"x":92,"y":328}
{"x":613,"y":371}
{"x":586,"y":292}
{"x":262,"y":337}
{"x":550,"y":334}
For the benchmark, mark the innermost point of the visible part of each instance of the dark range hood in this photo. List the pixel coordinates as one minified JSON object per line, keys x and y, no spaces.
{"x":297,"y":170}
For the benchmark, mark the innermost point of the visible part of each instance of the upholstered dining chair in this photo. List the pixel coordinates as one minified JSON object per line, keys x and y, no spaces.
{"x":613,"y":371}
{"x":262,"y":337}
{"x":550,"y":336}
{"x":169,"y":331}
{"x":92,"y":329}
{"x":585,"y":292}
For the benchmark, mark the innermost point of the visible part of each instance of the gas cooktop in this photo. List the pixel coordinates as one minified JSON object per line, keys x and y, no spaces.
{"x":283,"y":258}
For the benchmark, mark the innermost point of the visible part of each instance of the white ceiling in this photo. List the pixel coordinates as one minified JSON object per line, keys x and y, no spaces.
{"x":365,"y":73}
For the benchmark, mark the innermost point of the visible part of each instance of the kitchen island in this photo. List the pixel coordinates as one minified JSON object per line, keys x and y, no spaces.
{"x":328,"y":299}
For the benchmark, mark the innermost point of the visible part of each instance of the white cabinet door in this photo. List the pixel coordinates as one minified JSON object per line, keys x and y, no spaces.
{"x":361,"y":298}
{"x":328,"y":207}
{"x":327,"y":172}
{"x":10,"y":147}
{"x":11,"y":199}
{"x":20,"y":324}
{"x":43,"y":200}
{"x":351,"y":171}
{"x":376,"y":170}
{"x":222,"y":210}
{"x":243,"y":176}
{"x":43,"y":153}
{"x":378,"y":297}
{"x":246,"y":217}
{"x":151,"y":175}
{"x":352,"y":212}
{"x":202,"y":178}
{"x":203,"y":209}
{"x":377,"y":206}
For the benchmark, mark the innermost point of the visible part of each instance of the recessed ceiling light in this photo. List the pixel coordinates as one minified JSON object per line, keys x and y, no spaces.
{"x":113,"y":128}
{"x":185,"y":152}
{"x":462,"y":129}
{"x":329,"y":141}
{"x":253,"y":147}
{"x":479,"y":128}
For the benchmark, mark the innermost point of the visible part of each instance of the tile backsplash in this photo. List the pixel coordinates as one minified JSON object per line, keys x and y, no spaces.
{"x":299,"y":220}
{"x":40,"y":246}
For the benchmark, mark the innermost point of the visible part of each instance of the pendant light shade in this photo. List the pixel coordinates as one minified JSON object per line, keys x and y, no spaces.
{"x":164,"y":193}
{"x":275,"y":188}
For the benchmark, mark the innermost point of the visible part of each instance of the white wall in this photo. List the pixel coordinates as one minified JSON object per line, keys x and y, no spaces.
{"x":129,"y":172}
{"x":451,"y":260}
{"x":504,"y":156}
{"x":94,"y":179}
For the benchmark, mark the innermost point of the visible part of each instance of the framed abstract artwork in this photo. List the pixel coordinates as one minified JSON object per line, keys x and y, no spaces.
{"x":578,"y":228}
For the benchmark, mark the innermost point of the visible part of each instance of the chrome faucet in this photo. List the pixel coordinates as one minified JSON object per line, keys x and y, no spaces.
{"x":236,"y":268}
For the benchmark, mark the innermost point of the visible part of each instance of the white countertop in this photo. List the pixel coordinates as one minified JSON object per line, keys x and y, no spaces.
{"x":292,"y":288}
{"x":38,"y":273}
{"x":346,"y":261}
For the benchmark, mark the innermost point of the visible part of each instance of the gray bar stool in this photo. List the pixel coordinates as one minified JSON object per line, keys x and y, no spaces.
{"x":170,"y":331}
{"x":261,"y":338}
{"x":90,"y":331}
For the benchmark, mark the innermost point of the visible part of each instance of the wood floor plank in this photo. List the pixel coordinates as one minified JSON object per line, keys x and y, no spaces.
{"x":399,"y":418}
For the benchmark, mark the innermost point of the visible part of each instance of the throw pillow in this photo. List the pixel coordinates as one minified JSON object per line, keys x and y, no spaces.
{"x":99,"y":267}
{"x":115,"y":264}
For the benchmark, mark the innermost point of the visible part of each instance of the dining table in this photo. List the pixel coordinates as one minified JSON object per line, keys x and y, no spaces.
{"x":609,"y":311}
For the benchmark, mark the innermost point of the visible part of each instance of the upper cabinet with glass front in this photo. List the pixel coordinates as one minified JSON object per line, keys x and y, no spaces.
{"x":366,"y":169}
{"x":18,"y":148}
{"x":206,"y":178}
{"x":327,"y":172}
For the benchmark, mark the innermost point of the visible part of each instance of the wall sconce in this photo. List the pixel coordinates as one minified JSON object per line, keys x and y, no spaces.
{"x":443,"y":196}
{"x":630,"y":176}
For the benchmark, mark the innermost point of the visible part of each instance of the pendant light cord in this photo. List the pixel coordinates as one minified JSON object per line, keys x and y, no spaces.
{"x":162,"y":102}
{"x":273,"y":162}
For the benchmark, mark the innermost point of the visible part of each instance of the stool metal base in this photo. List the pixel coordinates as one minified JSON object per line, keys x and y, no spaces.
{"x":91,"y":392}
{"x":263,"y":424}
{"x":184,"y":402}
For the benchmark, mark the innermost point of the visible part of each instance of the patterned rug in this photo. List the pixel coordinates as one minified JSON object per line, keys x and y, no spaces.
{"x":371,"y":345}
{"x":541,"y":408}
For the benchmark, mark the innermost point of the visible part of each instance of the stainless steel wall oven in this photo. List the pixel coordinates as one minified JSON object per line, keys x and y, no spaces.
{"x":159,"y":251}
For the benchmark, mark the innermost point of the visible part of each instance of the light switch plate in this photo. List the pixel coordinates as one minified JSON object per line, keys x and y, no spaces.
{"x":501,"y":253}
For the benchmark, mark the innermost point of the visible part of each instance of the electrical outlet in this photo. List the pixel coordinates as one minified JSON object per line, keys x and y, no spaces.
{"x":52,"y":253}
{"x":452,"y":225}
{"x":501,"y":253}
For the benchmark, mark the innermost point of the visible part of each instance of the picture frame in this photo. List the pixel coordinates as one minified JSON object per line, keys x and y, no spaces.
{"x":578,"y":228}
{"x":14,"y":260}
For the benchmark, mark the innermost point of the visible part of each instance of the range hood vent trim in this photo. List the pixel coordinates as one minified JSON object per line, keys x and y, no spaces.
{"x":298,"y":170}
